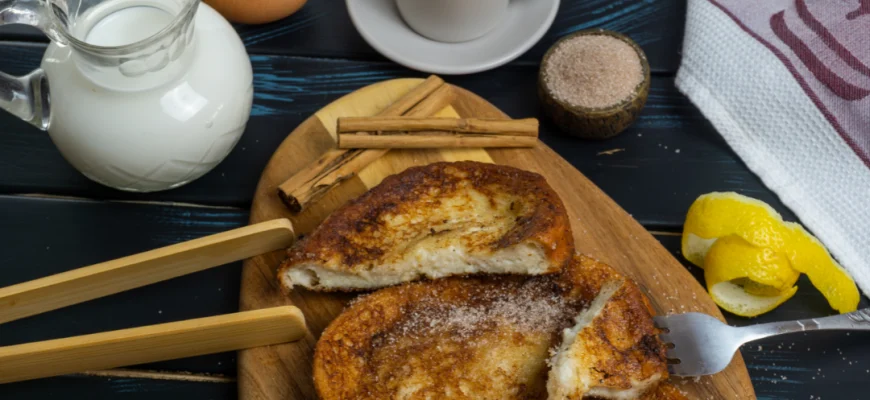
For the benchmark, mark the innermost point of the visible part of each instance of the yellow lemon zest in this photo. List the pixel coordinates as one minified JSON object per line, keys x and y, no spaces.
{"x":747,"y":280}
{"x":734,"y":299}
{"x":714,"y":216}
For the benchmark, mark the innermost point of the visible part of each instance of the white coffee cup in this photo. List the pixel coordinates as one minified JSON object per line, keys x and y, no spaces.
{"x":452,"y":20}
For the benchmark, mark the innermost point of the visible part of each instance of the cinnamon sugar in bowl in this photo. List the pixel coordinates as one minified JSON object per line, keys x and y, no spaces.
{"x":594,"y":83}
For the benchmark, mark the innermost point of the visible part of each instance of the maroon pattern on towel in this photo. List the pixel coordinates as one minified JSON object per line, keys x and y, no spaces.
{"x":826,"y":46}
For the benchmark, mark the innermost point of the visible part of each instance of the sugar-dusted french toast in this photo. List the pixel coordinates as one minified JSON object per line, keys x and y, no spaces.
{"x":484,"y":337}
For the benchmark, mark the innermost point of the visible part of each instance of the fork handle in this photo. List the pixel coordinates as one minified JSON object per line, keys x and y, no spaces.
{"x":856,"y":321}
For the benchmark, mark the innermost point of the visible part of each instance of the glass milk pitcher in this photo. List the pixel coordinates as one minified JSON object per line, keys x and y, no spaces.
{"x":139,"y":95}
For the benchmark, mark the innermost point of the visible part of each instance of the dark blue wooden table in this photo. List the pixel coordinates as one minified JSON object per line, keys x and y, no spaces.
{"x":53,"y":219}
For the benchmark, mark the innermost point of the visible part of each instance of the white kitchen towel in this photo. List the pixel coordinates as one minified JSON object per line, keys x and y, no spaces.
{"x":787,"y":84}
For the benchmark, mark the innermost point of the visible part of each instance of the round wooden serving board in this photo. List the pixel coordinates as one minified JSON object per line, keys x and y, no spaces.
{"x":601,"y":229}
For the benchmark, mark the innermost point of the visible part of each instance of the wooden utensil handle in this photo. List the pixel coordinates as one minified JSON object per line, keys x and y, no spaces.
{"x":151,"y":343}
{"x":87,"y":283}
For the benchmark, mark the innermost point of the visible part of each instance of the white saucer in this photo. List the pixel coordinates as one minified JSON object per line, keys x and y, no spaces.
{"x":379,"y":23}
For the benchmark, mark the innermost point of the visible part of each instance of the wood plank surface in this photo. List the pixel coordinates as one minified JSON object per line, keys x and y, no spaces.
{"x":46,"y":236}
{"x":601,"y":229}
{"x":302,"y":63}
{"x":657,"y":25}
{"x":767,"y":363}
{"x":120,"y":387}
{"x":141,"y":269}
{"x":289,"y":89}
{"x":824,"y":365}
{"x":627,"y":176}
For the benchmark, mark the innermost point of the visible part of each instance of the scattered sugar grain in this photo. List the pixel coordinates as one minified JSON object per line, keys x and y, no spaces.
{"x":532,"y":308}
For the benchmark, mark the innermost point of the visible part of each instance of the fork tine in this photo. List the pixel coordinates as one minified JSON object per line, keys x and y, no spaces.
{"x":673,"y":360}
{"x":700,"y":343}
{"x":667,"y":338}
{"x":675,"y":369}
{"x":660,"y":321}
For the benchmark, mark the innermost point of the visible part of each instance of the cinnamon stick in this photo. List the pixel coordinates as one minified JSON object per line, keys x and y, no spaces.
{"x":392,"y":125}
{"x":319,"y":177}
{"x":440,"y":98}
{"x":335,"y":166}
{"x":414,"y":97}
{"x":437,"y":139}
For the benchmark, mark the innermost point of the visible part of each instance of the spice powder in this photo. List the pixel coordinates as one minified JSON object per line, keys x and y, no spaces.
{"x":593,"y":71}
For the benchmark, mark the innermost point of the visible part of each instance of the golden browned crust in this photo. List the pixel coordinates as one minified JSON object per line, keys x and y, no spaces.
{"x":633,"y":349}
{"x":469,"y":338}
{"x":362,"y":234}
{"x":584,"y":277}
{"x":627,"y":328}
{"x":621,"y":348}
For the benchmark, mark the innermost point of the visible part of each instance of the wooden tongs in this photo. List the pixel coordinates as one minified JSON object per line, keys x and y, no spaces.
{"x":149,"y":343}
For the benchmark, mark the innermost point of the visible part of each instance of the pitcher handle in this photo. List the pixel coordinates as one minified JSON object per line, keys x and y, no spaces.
{"x":27,"y":97}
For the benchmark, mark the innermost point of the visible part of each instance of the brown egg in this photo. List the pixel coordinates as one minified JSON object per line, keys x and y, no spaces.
{"x":255,"y":11}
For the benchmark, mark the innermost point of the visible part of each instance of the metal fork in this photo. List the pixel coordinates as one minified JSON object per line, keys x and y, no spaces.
{"x":702,"y":345}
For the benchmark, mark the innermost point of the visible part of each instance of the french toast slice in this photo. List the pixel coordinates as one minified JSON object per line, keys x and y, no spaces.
{"x":459,"y":338}
{"x":483,"y":337}
{"x":435,"y":221}
{"x":612,"y":351}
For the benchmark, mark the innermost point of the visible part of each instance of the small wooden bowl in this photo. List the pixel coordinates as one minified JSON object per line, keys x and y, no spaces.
{"x":595,"y":123}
